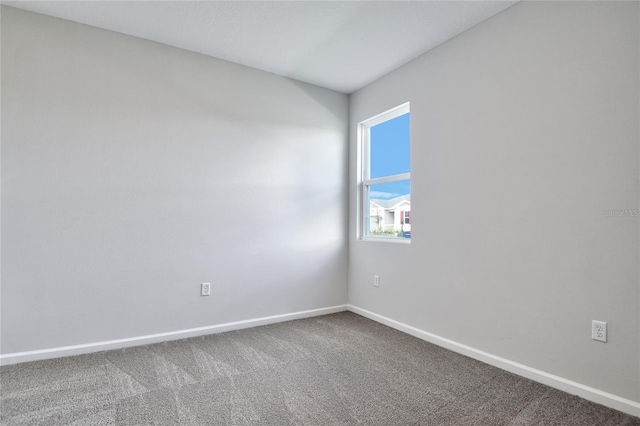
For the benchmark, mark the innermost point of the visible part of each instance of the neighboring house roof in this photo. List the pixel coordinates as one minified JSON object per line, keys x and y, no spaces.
{"x":393,"y":202}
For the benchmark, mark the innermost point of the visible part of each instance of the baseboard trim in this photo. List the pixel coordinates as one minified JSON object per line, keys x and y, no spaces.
{"x":19,"y":357}
{"x":600,"y":397}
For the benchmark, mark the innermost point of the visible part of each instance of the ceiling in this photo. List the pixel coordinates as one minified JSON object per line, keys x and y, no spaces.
{"x":341,"y":45}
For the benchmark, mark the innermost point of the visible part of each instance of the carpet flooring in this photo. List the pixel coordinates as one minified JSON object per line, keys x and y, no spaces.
{"x":339,"y":369}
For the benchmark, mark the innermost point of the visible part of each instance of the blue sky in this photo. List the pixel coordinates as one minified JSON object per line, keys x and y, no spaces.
{"x":390,"y":155}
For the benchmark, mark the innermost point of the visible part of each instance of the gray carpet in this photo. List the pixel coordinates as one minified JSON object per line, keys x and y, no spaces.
{"x":339,"y":369}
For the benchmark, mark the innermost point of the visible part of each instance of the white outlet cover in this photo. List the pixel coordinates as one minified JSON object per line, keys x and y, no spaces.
{"x":376,"y":281}
{"x":599,"y":331}
{"x":205,"y":289}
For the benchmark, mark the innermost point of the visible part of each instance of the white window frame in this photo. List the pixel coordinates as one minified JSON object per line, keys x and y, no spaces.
{"x":364,"y":175}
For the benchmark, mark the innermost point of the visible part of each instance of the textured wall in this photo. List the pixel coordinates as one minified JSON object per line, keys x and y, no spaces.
{"x":524,"y":133}
{"x":133,"y":171}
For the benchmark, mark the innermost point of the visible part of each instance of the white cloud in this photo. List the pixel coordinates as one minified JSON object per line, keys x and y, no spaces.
{"x":383,"y":195}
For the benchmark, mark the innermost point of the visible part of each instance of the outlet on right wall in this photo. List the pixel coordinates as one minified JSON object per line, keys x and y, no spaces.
{"x":525,"y":137}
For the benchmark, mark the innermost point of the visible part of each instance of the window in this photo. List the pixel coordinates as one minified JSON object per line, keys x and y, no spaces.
{"x":385,"y":178}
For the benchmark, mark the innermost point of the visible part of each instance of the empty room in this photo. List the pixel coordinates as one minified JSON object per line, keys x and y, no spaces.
{"x":320,"y":213}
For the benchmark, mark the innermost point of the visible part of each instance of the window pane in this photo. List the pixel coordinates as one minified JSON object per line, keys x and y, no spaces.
{"x":389,"y":151}
{"x":387,"y":206}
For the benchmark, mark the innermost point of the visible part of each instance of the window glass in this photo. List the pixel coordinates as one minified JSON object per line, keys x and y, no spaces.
{"x":388,"y":205}
{"x":390,"y":147}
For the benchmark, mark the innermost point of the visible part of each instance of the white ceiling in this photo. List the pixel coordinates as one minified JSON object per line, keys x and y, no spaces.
{"x":342,"y":45}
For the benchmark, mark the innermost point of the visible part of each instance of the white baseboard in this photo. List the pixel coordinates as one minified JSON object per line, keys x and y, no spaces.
{"x":19,"y":357}
{"x":609,"y":400}
{"x":586,"y":392}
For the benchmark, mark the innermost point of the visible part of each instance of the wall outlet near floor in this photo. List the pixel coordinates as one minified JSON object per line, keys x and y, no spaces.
{"x":376,"y":280}
{"x":205,"y":289}
{"x":599,"y":331}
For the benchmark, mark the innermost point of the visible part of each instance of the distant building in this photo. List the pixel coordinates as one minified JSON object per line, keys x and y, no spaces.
{"x":393,"y":214}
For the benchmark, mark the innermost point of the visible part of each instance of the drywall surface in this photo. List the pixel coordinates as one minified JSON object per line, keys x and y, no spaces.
{"x":524,"y":134}
{"x":133,"y":171}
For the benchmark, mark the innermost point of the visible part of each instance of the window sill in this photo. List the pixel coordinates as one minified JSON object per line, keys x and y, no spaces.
{"x":386,"y":240}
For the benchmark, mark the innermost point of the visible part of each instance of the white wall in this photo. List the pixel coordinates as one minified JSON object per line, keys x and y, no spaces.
{"x":524,"y":130}
{"x":133,"y":171}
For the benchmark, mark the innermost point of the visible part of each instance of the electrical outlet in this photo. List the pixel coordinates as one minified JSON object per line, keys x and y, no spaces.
{"x":599,"y":331}
{"x":205,"y":289}
{"x":376,"y":281}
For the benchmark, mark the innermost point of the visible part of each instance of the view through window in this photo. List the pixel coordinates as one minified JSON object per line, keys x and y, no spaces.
{"x":386,"y":178}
